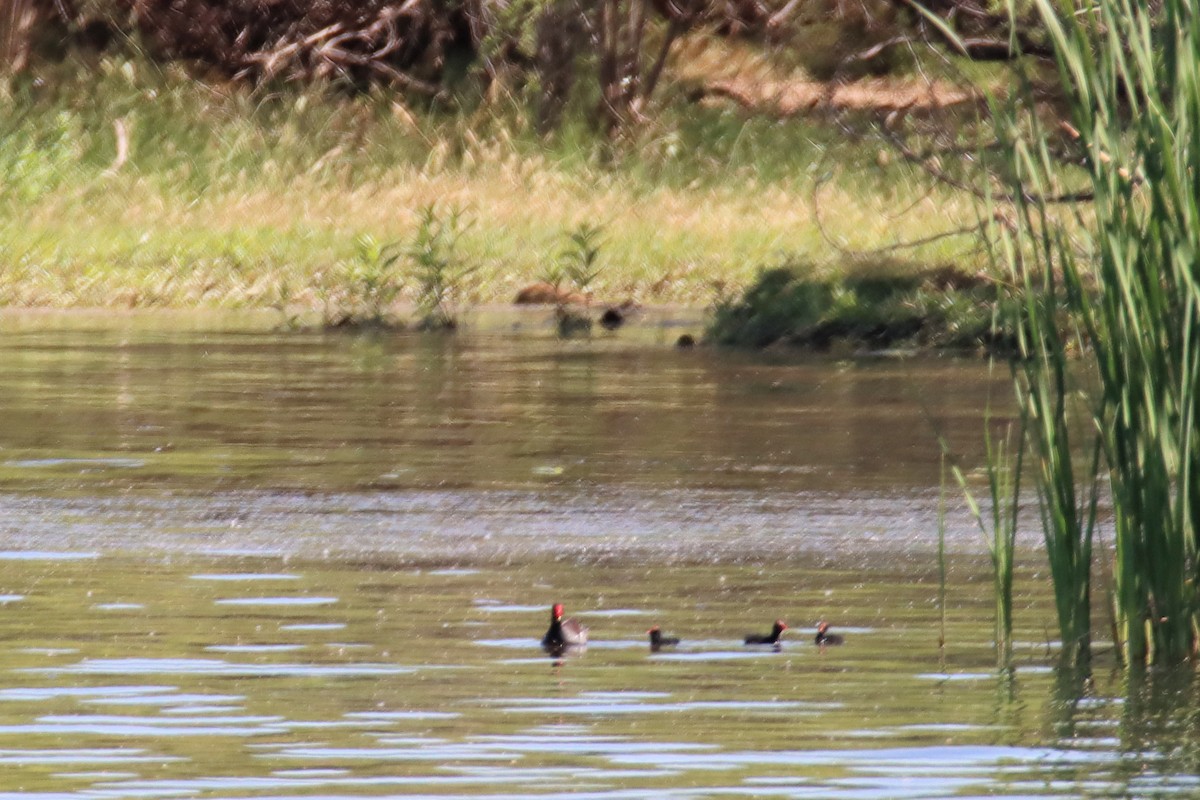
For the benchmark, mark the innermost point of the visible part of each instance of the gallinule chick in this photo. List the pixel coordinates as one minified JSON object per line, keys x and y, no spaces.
{"x":563,"y":633}
{"x":770,"y":638}
{"x":658,"y":641}
{"x":824,"y":637}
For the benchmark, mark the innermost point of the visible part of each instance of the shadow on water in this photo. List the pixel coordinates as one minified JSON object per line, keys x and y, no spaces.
{"x":257,"y":566}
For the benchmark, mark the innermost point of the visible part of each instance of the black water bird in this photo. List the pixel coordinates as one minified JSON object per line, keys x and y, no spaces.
{"x":658,"y":641}
{"x":612,"y":318}
{"x":770,"y":638}
{"x":824,"y":637}
{"x":563,"y":633}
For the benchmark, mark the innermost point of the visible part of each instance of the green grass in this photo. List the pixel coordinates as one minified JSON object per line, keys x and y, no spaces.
{"x":232,"y":198}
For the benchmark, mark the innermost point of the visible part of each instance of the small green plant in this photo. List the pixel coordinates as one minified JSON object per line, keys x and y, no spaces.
{"x":283,"y":302}
{"x":438,"y":269}
{"x":580,"y":258}
{"x":553,"y":275}
{"x":325,"y":288}
{"x":579,"y":264}
{"x":373,"y":282}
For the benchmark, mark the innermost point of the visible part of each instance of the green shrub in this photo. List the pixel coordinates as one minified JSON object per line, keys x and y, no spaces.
{"x":870,"y":310}
{"x":777,"y":306}
{"x":36,"y":161}
{"x":372,"y":283}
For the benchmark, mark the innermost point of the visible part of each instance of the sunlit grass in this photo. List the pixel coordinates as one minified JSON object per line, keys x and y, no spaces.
{"x":225,"y":196}
{"x":665,"y":245}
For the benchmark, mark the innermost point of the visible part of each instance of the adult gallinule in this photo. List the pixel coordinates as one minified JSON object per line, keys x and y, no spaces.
{"x":563,"y":633}
{"x":658,"y":641}
{"x":770,"y":638}
{"x":824,"y":637}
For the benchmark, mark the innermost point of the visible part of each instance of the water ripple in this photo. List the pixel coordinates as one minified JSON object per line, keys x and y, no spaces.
{"x":245,"y":576}
{"x":200,"y":666}
{"x":276,"y":601}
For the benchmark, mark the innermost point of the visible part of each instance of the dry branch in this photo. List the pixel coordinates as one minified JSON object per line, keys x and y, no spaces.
{"x":404,"y":43}
{"x":17,"y":21}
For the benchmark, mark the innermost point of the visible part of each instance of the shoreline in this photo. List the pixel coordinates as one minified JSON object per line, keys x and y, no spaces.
{"x":651,"y":326}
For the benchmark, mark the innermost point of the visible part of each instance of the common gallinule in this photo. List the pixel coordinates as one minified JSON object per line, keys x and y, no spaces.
{"x":824,"y":637}
{"x":770,"y":638}
{"x":563,"y":633}
{"x":658,"y":641}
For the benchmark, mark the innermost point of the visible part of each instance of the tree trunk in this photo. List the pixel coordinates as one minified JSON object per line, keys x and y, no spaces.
{"x":16,"y":28}
{"x":561,"y":36}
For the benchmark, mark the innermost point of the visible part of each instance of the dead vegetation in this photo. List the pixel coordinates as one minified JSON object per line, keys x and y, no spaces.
{"x":786,"y":98}
{"x":371,"y":41}
{"x":616,"y":50}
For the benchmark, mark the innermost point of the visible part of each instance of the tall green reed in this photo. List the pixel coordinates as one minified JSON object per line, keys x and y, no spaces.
{"x":1003,"y":464}
{"x":1129,"y":74}
{"x":941,"y":554}
{"x":1052,"y":410}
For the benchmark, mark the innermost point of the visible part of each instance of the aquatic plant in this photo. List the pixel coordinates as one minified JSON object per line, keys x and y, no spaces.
{"x":1051,"y":407}
{"x":438,"y":267}
{"x":1129,"y":81}
{"x":941,"y":553}
{"x":1003,"y":461}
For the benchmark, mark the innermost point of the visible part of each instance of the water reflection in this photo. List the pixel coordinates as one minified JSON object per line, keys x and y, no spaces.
{"x":229,"y":410}
{"x":260,"y":566}
{"x":449,"y":698}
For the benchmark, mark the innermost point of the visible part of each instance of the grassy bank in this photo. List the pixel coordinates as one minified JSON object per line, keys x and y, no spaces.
{"x":127,"y":185}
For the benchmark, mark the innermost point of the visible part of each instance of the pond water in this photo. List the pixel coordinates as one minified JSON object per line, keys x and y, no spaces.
{"x":244,"y":564}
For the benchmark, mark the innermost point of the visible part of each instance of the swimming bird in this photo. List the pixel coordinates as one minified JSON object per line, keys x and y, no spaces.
{"x":658,"y":641}
{"x":563,"y":633}
{"x":770,"y":638}
{"x":824,"y":637}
